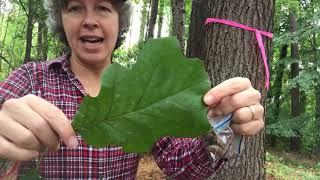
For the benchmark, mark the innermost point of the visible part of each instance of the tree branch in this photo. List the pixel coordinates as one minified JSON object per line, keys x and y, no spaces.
{"x":6,"y":61}
{"x":23,"y":8}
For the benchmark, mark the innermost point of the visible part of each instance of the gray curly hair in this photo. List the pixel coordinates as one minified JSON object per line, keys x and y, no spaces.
{"x":54,"y":20}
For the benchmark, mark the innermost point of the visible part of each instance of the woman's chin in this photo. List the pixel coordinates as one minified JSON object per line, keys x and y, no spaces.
{"x":95,"y":59}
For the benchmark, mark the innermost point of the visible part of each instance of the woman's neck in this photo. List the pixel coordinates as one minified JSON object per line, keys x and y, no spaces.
{"x":88,"y":75}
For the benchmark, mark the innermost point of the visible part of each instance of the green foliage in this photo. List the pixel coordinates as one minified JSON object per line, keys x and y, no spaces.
{"x":308,"y":38}
{"x":306,"y":81}
{"x":286,"y":126}
{"x":32,"y":175}
{"x":13,"y":36}
{"x":127,"y":57}
{"x":317,"y":166}
{"x":161,"y":95}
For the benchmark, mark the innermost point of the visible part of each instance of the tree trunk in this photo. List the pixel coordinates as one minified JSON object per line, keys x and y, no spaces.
{"x":27,"y":56}
{"x":170,"y":22}
{"x":45,"y":42}
{"x":143,"y":20}
{"x":277,"y":87}
{"x":197,"y":29}
{"x":40,"y":40}
{"x":295,"y":94}
{"x":278,"y":82}
{"x":229,"y":52}
{"x":178,"y":15}
{"x":153,"y":18}
{"x":160,"y":19}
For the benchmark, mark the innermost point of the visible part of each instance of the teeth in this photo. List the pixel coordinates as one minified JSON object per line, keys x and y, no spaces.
{"x":92,"y":40}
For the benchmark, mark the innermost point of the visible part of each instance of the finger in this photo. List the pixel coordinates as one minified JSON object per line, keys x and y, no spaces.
{"x":26,"y":116}
{"x":18,"y":134}
{"x":248,"y":129}
{"x":236,"y":101}
{"x":226,"y":88}
{"x":10,"y":151}
{"x":244,"y":115}
{"x":55,"y":118}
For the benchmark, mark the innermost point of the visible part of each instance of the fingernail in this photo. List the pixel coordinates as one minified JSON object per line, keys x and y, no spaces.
{"x":210,"y":113}
{"x":58,"y":147}
{"x":217,"y":112}
{"x":208,"y":99}
{"x":73,"y":142}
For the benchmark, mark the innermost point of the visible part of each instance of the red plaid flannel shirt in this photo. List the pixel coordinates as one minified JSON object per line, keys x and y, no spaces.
{"x":179,"y":158}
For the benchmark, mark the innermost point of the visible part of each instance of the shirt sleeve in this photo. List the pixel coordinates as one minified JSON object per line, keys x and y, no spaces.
{"x":184,"y":158}
{"x":18,"y":84}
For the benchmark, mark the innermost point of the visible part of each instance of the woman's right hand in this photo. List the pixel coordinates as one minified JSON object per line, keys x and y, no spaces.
{"x":30,"y":124}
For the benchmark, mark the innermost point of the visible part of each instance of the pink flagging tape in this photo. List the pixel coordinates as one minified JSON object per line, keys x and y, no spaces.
{"x":258,"y":37}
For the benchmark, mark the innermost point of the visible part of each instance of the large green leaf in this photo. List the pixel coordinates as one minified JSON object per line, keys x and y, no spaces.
{"x":160,"y":96}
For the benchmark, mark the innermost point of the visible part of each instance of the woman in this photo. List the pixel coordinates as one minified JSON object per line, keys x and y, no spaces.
{"x":39,"y":99}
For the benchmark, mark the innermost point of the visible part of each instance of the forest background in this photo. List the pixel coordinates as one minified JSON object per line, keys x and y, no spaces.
{"x":291,"y":138}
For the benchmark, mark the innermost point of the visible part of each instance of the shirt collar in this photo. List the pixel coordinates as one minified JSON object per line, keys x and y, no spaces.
{"x":62,"y":61}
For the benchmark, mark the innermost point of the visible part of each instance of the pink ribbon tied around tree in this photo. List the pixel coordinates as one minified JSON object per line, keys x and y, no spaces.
{"x":258,"y":37}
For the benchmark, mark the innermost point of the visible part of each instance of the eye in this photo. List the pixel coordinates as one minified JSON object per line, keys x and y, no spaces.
{"x":103,"y":8}
{"x":75,"y":8}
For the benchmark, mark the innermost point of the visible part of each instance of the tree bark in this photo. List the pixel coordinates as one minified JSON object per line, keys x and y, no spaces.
{"x":197,"y":29}
{"x":229,"y":52}
{"x":143,"y":20}
{"x":40,"y":40}
{"x":160,"y":19}
{"x":295,"y":142}
{"x":178,"y":15}
{"x":277,"y":87}
{"x":153,"y":18}
{"x":278,"y":82}
{"x":45,"y":41}
{"x":27,"y":56}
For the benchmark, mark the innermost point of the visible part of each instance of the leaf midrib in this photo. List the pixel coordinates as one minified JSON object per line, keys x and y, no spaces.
{"x":155,"y":102}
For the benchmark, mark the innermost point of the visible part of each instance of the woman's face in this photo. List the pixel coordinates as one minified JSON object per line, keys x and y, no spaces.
{"x":91,"y":27}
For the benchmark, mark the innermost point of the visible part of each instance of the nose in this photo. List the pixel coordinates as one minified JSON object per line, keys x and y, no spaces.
{"x":90,"y":20}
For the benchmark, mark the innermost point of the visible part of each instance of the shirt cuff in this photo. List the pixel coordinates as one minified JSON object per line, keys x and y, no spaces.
{"x":8,"y":168}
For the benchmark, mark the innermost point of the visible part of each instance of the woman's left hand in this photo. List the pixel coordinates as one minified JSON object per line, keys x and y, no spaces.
{"x":237,"y":96}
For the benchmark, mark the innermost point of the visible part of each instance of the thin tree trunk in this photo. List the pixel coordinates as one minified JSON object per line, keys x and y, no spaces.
{"x":153,"y":18}
{"x":295,"y":94}
{"x":45,"y":43}
{"x":229,"y":52}
{"x":148,"y":19}
{"x":170,"y":22}
{"x":160,"y":19}
{"x":278,"y":89}
{"x":278,"y":82}
{"x":40,"y":40}
{"x":143,"y":20}
{"x":178,"y":15}
{"x":27,"y":56}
